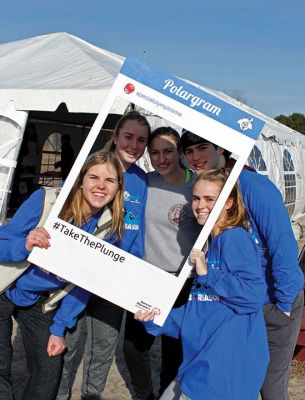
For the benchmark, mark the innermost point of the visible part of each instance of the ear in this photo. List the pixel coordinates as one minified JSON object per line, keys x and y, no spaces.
{"x":220,"y":150}
{"x":115,"y":138}
{"x":228,"y":204}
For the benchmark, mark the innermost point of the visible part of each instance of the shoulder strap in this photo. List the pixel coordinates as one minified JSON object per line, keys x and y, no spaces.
{"x":50,"y":196}
{"x":9,"y":272}
{"x":104,"y":223}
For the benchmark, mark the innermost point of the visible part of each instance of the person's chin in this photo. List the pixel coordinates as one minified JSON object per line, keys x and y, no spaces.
{"x":131,"y":160}
{"x":98,"y":206}
{"x":162,"y":171}
{"x":200,"y":170}
{"x":202,"y":220}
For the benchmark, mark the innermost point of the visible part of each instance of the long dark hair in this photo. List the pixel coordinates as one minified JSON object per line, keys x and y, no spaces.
{"x":133,"y":116}
{"x":170,"y":132}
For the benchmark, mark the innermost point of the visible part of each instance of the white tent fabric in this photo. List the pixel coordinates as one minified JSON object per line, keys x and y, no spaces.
{"x":40,"y":73}
{"x":44,"y":71}
{"x":12,"y":125}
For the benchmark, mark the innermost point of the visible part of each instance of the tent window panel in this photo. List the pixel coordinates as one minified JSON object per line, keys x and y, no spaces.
{"x":51,"y":153}
{"x":287,"y":161}
{"x":257,"y":161}
{"x":290,"y":182}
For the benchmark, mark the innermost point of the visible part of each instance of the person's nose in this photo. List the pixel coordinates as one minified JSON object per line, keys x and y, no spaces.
{"x":202,"y":204}
{"x":134,"y":144}
{"x":196,"y":155}
{"x":161,"y":157}
{"x":101,"y":184}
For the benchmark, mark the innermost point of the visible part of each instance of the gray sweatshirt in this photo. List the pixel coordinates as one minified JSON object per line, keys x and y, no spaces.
{"x":170,"y":226}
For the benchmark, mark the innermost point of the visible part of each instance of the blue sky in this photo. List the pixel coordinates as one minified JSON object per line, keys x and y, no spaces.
{"x":254,"y":47}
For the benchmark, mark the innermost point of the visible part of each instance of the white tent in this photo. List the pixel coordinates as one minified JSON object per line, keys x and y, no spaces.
{"x":40,"y":73}
{"x":44,"y":71}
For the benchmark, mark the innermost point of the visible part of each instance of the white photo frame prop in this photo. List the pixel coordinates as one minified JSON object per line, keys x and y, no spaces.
{"x":123,"y":278}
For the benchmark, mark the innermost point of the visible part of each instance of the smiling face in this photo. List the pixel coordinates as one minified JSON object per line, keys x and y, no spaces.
{"x":99,"y":187}
{"x":205,"y":194}
{"x":203,"y":157}
{"x":130,"y":142}
{"x":164,"y":155}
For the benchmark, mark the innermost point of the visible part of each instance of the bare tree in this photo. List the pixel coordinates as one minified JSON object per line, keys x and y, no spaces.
{"x":238,"y":95}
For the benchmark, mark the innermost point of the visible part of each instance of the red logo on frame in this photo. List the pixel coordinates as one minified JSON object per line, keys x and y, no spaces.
{"x":129,"y":88}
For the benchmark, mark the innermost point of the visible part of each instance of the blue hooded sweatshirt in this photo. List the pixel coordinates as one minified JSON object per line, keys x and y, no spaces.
{"x":28,"y":288}
{"x":225,"y":349}
{"x":271,"y":228}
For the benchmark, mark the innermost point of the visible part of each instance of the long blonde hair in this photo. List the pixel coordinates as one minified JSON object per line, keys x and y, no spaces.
{"x":237,"y":214}
{"x":75,"y":208}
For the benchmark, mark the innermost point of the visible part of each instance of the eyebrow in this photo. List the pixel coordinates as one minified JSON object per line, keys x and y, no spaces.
{"x":166,"y":148}
{"x":130,"y":133}
{"x":96,"y":176}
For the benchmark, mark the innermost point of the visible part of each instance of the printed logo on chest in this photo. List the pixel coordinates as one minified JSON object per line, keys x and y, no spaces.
{"x":178,"y":215}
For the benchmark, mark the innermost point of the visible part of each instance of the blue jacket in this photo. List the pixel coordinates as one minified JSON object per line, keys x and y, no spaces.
{"x":272,"y":229}
{"x":28,"y":289}
{"x":225,"y":349}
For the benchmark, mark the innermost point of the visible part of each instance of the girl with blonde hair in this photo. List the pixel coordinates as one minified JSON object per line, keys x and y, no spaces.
{"x":225,"y":349}
{"x":100,"y":184}
{"x":103,"y":318}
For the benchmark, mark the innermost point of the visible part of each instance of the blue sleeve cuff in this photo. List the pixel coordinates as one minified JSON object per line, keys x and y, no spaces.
{"x":19,"y":250}
{"x":214,"y":276}
{"x":202,"y":279}
{"x":151,"y":327}
{"x":58,"y":329}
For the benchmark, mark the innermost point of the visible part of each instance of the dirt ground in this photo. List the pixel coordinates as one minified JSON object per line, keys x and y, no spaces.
{"x":118,"y":384}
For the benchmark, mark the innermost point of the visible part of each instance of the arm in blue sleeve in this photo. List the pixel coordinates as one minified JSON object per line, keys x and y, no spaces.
{"x":13,"y":234}
{"x":137,"y":247}
{"x":239,"y":281}
{"x":70,"y":307}
{"x":139,"y":242}
{"x":266,"y":208}
{"x":172,"y":325}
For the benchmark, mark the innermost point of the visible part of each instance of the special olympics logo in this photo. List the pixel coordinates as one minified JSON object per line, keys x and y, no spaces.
{"x":129,"y":88}
{"x":156,"y":311}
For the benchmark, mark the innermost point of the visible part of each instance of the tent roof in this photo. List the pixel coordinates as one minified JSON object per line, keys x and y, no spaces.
{"x":40,"y":73}
{"x":44,"y":71}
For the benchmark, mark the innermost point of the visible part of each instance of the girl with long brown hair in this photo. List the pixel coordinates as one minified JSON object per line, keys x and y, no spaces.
{"x":168,"y":215}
